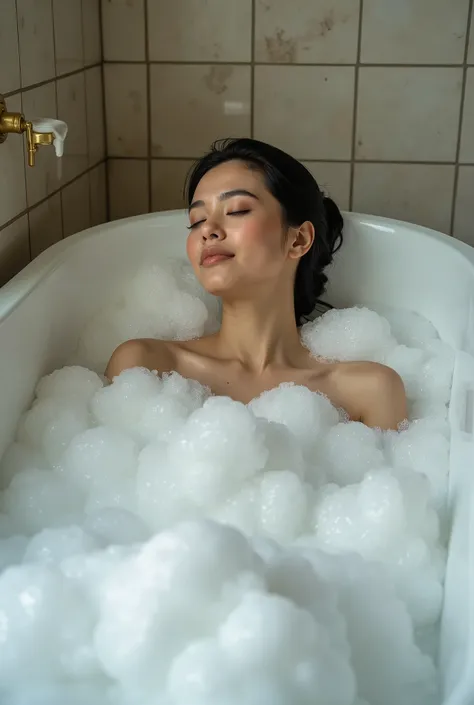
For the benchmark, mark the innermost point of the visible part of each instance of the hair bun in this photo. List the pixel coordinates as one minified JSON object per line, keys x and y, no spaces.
{"x":335,"y":224}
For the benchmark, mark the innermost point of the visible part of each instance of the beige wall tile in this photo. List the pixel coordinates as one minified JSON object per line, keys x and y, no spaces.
{"x":12,"y":171}
{"x":98,"y":188}
{"x":91,"y":30}
{"x":470,"y":53}
{"x":200,"y":30}
{"x":463,"y":220}
{"x":75,"y":198}
{"x":334,"y":178}
{"x":68,"y":35}
{"x":168,"y":177}
{"x":467,"y":135}
{"x":126,"y":110}
{"x":72,"y":109}
{"x":45,"y":225}
{"x":123,"y":24}
{"x":414,"y":31}
{"x":128,"y":187}
{"x":305,"y":110}
{"x":417,"y":193}
{"x":95,"y":115}
{"x":35,"y":27}
{"x":9,"y":53}
{"x":43,"y":179}
{"x":302,"y":31}
{"x":14,"y":249}
{"x":193,"y":105}
{"x":408,"y":114}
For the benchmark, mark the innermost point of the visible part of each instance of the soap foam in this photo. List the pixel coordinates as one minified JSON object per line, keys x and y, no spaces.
{"x":178,"y":548}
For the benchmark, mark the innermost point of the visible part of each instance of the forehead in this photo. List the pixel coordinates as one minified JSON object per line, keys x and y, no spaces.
{"x":228,"y":176}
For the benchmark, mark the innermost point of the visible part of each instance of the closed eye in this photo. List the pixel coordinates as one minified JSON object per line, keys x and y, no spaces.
{"x":194,"y":225}
{"x":243,"y":212}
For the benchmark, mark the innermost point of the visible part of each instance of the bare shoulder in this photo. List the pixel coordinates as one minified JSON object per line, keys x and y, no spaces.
{"x":375,"y":391}
{"x":143,"y":352}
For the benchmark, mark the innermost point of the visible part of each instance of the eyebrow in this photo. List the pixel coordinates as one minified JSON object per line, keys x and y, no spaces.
{"x":224,"y":196}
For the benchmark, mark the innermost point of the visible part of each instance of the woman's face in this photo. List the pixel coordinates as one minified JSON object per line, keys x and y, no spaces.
{"x":237,"y":239}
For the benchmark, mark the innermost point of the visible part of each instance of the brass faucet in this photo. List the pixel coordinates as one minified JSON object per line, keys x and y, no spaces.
{"x":16,"y":123}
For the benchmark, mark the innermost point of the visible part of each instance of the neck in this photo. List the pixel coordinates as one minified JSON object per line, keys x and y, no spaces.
{"x":260,"y":332}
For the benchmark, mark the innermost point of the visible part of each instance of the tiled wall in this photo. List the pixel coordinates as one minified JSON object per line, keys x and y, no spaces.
{"x":375,"y":96}
{"x":50,"y":66}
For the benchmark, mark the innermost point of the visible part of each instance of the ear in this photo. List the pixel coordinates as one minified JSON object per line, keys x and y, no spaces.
{"x":301,"y":240}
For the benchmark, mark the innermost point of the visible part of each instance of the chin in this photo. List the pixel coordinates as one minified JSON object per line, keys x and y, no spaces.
{"x":217,"y":285}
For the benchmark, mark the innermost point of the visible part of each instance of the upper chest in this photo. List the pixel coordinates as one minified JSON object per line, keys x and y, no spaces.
{"x":230,"y":379}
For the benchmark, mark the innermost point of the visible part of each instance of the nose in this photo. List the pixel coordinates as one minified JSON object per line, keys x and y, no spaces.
{"x":212,"y":231}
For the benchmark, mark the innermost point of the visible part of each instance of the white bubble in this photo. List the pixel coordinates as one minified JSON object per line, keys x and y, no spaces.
{"x":350,"y":451}
{"x":69,"y":383}
{"x":51,"y":424}
{"x":37,"y":499}
{"x":53,"y":545}
{"x":349,"y":334}
{"x":98,"y":458}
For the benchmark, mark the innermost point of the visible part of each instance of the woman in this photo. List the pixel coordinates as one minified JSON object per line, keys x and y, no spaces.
{"x":261,"y":235}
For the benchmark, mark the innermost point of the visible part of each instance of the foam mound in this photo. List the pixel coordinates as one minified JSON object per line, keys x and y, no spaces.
{"x":175,"y":548}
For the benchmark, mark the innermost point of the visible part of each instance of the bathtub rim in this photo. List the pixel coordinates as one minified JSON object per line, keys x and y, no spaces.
{"x":25,"y":281}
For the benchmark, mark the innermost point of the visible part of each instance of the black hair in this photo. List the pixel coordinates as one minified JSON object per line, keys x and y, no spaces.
{"x":301,"y":199}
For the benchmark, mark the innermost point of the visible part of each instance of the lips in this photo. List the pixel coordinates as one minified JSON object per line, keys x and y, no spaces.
{"x":214,"y":255}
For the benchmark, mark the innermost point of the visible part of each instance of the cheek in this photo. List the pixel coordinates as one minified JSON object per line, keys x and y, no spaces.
{"x":192,"y":247}
{"x":261,"y":240}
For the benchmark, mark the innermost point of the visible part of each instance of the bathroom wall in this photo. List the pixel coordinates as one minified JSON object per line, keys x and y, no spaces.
{"x":375,"y":96}
{"x":50,"y":66}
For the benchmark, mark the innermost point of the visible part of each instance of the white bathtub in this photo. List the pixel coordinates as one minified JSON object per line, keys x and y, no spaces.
{"x":389,"y":262}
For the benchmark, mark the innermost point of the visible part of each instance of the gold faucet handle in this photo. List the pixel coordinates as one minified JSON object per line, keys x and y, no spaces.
{"x":35,"y":139}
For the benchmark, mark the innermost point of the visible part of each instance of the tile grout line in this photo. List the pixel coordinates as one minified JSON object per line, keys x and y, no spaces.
{"x":355,"y":106}
{"x":104,"y":113}
{"x":304,"y":159}
{"x":148,"y":105}
{"x":57,"y":108}
{"x":86,"y":101}
{"x":252,"y":68}
{"x":292,"y":64}
{"x":32,"y":87}
{"x":460,"y":123}
{"x":22,"y":138}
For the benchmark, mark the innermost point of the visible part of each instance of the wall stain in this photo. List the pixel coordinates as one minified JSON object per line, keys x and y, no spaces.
{"x":284,"y":50}
{"x":216,"y":79}
{"x":280,"y":49}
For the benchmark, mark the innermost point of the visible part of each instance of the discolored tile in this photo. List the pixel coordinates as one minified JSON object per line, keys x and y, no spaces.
{"x":334,"y":178}
{"x":72,"y":109}
{"x":128,"y":187}
{"x":408,"y":114}
{"x":306,"y":32}
{"x":45,"y":225}
{"x":126,"y":95}
{"x":9,"y":51}
{"x":168,"y":178}
{"x":414,"y":31}
{"x":417,"y":193}
{"x":35,"y":29}
{"x":200,"y":30}
{"x":68,"y":40}
{"x":75,"y":199}
{"x":206,"y":103}
{"x":123,"y":26}
{"x":14,"y":249}
{"x":305,"y":110}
